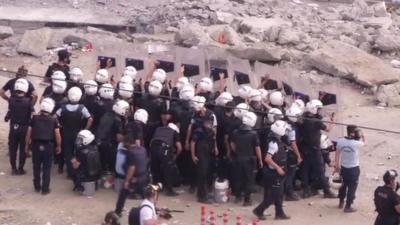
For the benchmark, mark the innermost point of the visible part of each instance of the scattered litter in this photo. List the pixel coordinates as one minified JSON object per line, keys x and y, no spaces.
{"x":380,"y":164}
{"x":311,"y":203}
{"x":4,"y":69}
{"x":313,"y":5}
{"x":2,"y":173}
{"x":48,"y":223}
{"x":297,"y":1}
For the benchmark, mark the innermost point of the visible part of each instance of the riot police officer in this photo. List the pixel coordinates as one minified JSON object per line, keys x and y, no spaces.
{"x":90,"y":99}
{"x":72,"y":116}
{"x":44,"y":135}
{"x":19,"y":115}
{"x":136,"y":126}
{"x":76,"y":76}
{"x":9,"y":86}
{"x":312,"y":155}
{"x":387,"y":201}
{"x":246,"y":153}
{"x":86,"y":163}
{"x":104,"y":103}
{"x":109,"y":132}
{"x":274,"y":173}
{"x":57,"y":90}
{"x":163,"y":156}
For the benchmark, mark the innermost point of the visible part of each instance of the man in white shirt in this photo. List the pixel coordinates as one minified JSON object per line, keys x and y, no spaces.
{"x":148,"y":215}
{"x":348,"y":163}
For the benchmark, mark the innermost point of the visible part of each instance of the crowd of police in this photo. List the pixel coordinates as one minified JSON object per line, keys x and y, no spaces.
{"x":175,"y":132}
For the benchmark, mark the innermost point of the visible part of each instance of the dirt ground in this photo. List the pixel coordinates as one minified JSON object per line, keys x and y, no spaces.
{"x":20,"y":205}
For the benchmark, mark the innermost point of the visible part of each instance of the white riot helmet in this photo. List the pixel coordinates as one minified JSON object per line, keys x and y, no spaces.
{"x":59,"y":86}
{"x":182,"y":81}
{"x":76,"y":74}
{"x":125,"y":90}
{"x":206,"y":84}
{"x":85,"y":137}
{"x":121,"y":107}
{"x":313,"y":106}
{"x":58,"y":75}
{"x":255,"y":95}
{"x":90,"y":87}
{"x":279,"y":127}
{"x":155,"y":88}
{"x":126,"y":79}
{"x":130,"y":71}
{"x":21,"y":85}
{"x":249,"y":119}
{"x":198,"y":102}
{"x":106,"y":91}
{"x":264,"y":94}
{"x":299,"y":104}
{"x":160,"y":75}
{"x":102,"y":76}
{"x":325,"y":142}
{"x":173,"y":127}
{"x":335,"y":181}
{"x":187,"y":92}
{"x":274,"y":114}
{"x":47,"y":105}
{"x":244,"y":91}
{"x":276,"y":98}
{"x":74,"y":94}
{"x":223,"y":98}
{"x":293,"y":113}
{"x":240,"y":109}
{"x":141,"y":115}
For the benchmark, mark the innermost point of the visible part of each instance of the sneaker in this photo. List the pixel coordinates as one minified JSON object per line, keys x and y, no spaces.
{"x":247,"y":203}
{"x":341,"y":204}
{"x":349,"y":209}
{"x":329,"y":195}
{"x":14,"y":172}
{"x":21,"y":172}
{"x":282,"y":217}
{"x":259,"y":216}
{"x":292,"y":197}
{"x":46,"y":192}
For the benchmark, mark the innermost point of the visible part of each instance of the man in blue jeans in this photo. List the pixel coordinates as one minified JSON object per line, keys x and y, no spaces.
{"x":348,"y":163}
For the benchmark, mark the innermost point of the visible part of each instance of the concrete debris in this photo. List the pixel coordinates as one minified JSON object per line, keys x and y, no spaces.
{"x":380,"y":9}
{"x":34,"y":42}
{"x":377,"y":22}
{"x":259,"y":52}
{"x":75,"y":41}
{"x":358,"y":9}
{"x":191,"y":35}
{"x":224,"y":34}
{"x":288,"y":36}
{"x":389,"y":95}
{"x":395,"y":63}
{"x":343,"y":60}
{"x":6,"y":32}
{"x":387,"y":42}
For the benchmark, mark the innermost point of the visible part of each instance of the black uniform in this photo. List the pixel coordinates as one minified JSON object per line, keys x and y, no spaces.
{"x":43,"y":146}
{"x":110,"y":125}
{"x":59,"y":99}
{"x":136,"y":129}
{"x":163,"y":165}
{"x":9,"y":86}
{"x":154,"y":107}
{"x":182,"y":114}
{"x":20,"y":110}
{"x":90,"y":166}
{"x":204,"y":145}
{"x":101,"y":107}
{"x":137,"y":157}
{"x":386,"y":199}
{"x":71,"y":123}
{"x":244,"y":160}
{"x":313,"y":161}
{"x":274,"y":183}
{"x":57,"y":67}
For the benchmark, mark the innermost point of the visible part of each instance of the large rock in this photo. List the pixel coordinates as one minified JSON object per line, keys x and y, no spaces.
{"x":75,"y":40}
{"x":258,"y":25}
{"x":223,"y":17}
{"x":224,"y":34}
{"x":288,"y":36}
{"x":358,"y":9}
{"x":191,"y":35}
{"x":343,"y":60}
{"x":5,"y":32}
{"x":389,"y":94}
{"x":259,"y":52}
{"x":387,"y":42}
{"x":34,"y":42}
{"x":377,"y":22}
{"x":380,"y":9}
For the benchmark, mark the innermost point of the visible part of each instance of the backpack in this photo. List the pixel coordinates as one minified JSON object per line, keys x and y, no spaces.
{"x":134,"y":215}
{"x":93,"y":162}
